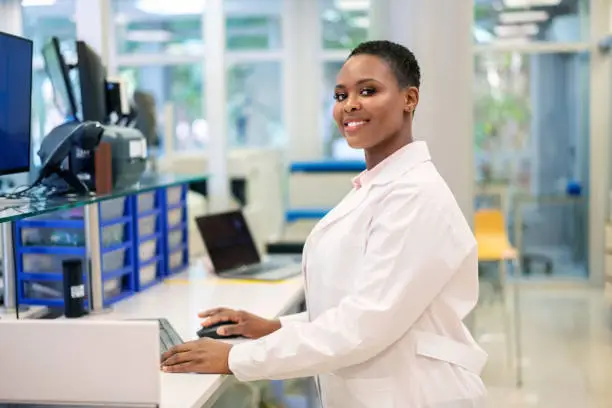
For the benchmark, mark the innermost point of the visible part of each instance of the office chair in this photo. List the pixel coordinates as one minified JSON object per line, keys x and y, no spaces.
{"x":494,"y":246}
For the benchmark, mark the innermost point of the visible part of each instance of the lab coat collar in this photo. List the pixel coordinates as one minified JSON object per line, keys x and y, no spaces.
{"x":400,"y":162}
{"x":393,"y":168}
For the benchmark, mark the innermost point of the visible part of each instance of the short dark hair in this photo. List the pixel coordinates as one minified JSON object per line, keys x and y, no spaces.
{"x":401,"y":60}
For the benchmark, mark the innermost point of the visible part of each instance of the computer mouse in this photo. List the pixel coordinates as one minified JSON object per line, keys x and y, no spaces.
{"x":211,"y":332}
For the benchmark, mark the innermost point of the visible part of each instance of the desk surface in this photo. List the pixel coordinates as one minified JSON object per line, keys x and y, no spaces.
{"x":12,"y":212}
{"x":179,"y":299}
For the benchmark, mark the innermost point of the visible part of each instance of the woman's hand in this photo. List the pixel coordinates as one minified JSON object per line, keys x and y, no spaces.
{"x":239,"y":323}
{"x":204,"y":356}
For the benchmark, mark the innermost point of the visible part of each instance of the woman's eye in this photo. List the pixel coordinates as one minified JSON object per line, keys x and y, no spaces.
{"x":339,"y":97}
{"x":368,"y":91}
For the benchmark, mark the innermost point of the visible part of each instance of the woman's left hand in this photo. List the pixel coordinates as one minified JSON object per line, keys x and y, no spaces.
{"x":204,"y":356}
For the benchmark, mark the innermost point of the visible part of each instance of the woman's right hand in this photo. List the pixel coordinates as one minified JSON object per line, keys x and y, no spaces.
{"x":240,"y":323}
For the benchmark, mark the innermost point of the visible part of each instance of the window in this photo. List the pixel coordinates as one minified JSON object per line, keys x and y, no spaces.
{"x":175,"y":88}
{"x":566,"y":21}
{"x":254,"y":104}
{"x":531,"y":126}
{"x":345,"y":23}
{"x":151,"y":26}
{"x":253,"y":24}
{"x":41,"y":23}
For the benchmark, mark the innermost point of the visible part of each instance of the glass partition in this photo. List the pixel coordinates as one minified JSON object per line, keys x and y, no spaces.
{"x":531,"y":136}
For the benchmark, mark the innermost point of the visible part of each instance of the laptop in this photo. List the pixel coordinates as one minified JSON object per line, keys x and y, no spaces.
{"x":80,"y":362}
{"x":233,"y":253}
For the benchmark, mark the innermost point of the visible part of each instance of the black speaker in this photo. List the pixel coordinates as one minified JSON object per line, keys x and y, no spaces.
{"x":74,"y":288}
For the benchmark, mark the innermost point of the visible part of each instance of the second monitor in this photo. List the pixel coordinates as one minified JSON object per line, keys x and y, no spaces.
{"x":85,"y":99}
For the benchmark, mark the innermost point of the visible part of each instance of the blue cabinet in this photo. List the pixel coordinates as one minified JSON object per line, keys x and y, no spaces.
{"x":42,"y":243}
{"x":143,"y":238}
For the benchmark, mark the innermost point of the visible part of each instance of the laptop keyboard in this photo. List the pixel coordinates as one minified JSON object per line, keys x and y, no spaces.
{"x":168,"y":337}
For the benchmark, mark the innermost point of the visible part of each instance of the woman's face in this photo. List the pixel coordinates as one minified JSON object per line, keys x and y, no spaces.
{"x":370,"y":107}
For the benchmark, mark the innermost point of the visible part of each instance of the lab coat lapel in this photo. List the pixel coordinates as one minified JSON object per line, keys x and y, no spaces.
{"x":400,"y":162}
{"x":346,"y":206}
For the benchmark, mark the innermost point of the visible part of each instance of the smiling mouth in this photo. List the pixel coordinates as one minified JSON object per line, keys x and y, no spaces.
{"x":352,"y":125}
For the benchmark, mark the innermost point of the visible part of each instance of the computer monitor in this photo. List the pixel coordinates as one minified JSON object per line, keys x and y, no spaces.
{"x":15,"y":103}
{"x":92,"y":84}
{"x":58,"y":73}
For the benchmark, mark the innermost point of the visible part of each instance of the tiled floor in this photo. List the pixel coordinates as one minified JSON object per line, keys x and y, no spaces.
{"x":566,"y":337}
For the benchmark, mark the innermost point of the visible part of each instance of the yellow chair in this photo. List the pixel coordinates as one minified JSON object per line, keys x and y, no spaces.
{"x":494,"y":246}
{"x":493,"y":242}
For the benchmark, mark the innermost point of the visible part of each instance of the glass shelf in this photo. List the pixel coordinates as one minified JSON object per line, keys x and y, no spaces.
{"x":38,"y":207}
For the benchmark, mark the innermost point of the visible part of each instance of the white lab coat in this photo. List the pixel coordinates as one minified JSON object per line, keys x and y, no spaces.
{"x":390,"y":273}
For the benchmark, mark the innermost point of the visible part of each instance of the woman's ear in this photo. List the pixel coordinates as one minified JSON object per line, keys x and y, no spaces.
{"x":411,"y":97}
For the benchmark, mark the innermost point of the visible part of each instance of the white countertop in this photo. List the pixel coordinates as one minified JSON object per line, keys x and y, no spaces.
{"x":180,"y":298}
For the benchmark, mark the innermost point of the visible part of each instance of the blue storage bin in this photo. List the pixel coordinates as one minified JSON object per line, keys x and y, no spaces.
{"x":174,"y":195}
{"x":177,"y":260}
{"x":146,"y":201}
{"x":53,"y":290}
{"x":148,"y":231}
{"x":56,"y":236}
{"x":147,"y":250}
{"x":42,"y":244}
{"x":148,"y":225}
{"x":175,"y":217}
{"x":176,"y":238}
{"x":175,"y":230}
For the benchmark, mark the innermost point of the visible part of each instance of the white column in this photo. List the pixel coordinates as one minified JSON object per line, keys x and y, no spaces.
{"x":93,"y":25}
{"x":215,"y":89}
{"x":599,"y":144}
{"x":10,"y":17}
{"x":439,"y":32}
{"x":302,"y":78}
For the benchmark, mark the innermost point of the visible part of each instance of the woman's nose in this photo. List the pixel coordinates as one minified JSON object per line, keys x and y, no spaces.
{"x":351,"y":105}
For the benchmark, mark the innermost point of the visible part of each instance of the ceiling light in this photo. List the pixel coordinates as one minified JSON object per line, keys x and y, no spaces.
{"x":352,"y":5}
{"x":530,"y":3}
{"x":532,"y":16}
{"x":37,"y":3}
{"x":519,"y":30}
{"x":174,"y":7}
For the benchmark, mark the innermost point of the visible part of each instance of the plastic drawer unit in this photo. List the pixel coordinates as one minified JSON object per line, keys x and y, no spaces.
{"x":42,"y":243}
{"x":149,"y":233}
{"x":175,"y":229}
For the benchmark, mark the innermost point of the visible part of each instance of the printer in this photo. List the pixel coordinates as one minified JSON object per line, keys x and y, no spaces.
{"x":68,"y":156}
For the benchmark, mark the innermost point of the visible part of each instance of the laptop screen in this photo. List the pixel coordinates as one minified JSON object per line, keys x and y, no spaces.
{"x":228,"y":240}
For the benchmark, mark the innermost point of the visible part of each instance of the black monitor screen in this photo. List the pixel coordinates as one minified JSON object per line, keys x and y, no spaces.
{"x":15,"y":103}
{"x":92,"y":83}
{"x":58,"y":74}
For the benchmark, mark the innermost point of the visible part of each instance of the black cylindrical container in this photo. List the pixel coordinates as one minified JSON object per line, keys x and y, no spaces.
{"x":74,"y":288}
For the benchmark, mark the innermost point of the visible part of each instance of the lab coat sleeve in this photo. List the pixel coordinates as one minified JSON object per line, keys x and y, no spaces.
{"x":413,"y":249}
{"x":294,"y":318}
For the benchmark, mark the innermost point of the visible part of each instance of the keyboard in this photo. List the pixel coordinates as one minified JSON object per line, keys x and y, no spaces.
{"x":168,"y":337}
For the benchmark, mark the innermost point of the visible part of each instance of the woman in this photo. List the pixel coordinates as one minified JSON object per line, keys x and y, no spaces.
{"x":390,"y":272}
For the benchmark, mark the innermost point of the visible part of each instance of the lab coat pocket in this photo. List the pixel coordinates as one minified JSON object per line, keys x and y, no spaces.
{"x":368,"y":393}
{"x":447,"y":372}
